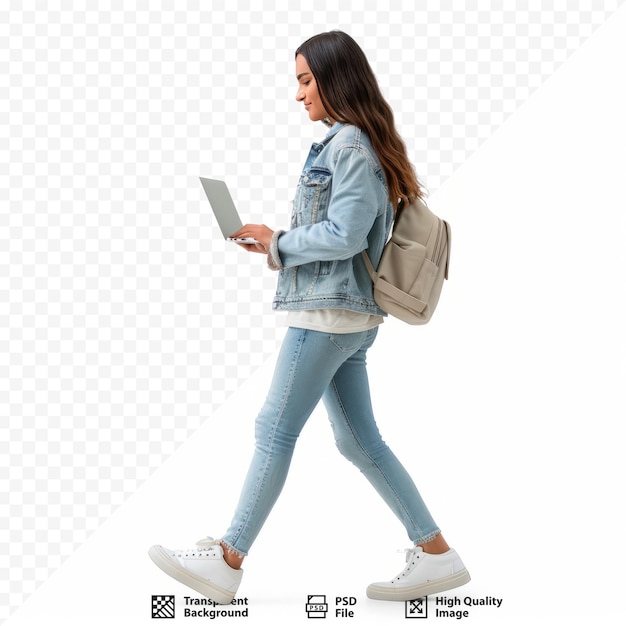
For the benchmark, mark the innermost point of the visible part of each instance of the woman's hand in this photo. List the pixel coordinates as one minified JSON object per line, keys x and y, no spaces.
{"x":260,"y":232}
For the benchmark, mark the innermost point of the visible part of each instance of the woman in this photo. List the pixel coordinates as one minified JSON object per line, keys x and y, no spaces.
{"x":349,"y":188}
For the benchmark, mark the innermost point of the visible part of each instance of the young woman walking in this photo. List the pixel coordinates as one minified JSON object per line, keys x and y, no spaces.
{"x":350,"y":186}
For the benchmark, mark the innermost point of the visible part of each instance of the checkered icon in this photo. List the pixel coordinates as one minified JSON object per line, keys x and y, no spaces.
{"x":163,"y":606}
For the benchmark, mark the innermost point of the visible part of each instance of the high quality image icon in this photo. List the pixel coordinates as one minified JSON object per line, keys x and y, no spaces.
{"x":417,"y":608}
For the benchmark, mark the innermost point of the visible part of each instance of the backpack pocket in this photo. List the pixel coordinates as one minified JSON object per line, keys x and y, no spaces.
{"x":408,"y":276}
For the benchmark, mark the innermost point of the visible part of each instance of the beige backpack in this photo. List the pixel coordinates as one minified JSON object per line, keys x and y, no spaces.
{"x":414,"y":264}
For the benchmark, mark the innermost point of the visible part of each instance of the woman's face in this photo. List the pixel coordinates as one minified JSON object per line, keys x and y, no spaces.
{"x":307,"y":91}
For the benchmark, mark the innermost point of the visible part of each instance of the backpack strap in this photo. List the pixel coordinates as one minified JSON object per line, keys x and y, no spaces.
{"x":368,"y":264}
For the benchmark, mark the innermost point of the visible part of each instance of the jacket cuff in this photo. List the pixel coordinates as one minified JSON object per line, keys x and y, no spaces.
{"x":273,"y":258}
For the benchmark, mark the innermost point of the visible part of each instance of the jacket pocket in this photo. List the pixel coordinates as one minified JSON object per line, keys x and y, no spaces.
{"x":312,"y":196}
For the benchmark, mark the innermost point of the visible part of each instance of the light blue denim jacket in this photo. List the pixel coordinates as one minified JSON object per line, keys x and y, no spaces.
{"x":341,"y":207}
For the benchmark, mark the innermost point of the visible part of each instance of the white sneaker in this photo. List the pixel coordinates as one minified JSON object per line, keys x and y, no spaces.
{"x":202,"y":568}
{"x":423,"y":575}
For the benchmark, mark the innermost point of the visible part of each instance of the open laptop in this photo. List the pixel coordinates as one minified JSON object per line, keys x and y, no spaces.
{"x":224,"y":209}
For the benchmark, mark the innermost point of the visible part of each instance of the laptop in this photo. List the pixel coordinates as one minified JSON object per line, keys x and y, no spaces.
{"x":224,"y":209}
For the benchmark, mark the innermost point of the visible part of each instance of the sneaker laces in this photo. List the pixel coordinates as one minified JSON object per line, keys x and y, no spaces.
{"x":412,"y":556}
{"x":202,"y":546}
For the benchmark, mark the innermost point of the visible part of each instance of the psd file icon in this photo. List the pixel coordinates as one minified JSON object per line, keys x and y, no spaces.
{"x":316,"y":607}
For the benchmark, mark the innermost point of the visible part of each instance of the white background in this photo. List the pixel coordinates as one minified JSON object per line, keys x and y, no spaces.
{"x":133,"y":336}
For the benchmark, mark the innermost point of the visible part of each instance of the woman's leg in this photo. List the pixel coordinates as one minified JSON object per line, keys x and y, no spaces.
{"x":306,"y":364}
{"x":348,"y":403}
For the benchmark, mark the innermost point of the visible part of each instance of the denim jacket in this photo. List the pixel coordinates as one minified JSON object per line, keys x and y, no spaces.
{"x":341,"y":207}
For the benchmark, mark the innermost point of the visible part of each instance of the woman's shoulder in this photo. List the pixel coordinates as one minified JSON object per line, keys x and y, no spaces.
{"x":350,"y":136}
{"x":350,"y":139}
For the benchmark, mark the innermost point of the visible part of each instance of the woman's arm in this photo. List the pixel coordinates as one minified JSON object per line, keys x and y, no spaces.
{"x":353,"y":206}
{"x":354,"y":203}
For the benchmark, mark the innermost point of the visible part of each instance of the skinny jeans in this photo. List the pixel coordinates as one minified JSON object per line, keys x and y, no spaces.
{"x":314,"y":366}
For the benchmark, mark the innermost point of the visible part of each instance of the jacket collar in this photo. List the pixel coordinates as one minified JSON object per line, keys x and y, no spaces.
{"x":334,"y":129}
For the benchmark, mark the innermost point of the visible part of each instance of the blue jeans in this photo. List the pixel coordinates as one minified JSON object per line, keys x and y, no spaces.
{"x":312,"y":366}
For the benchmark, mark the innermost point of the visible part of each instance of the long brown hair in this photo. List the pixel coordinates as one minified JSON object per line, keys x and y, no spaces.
{"x":350,"y":94}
